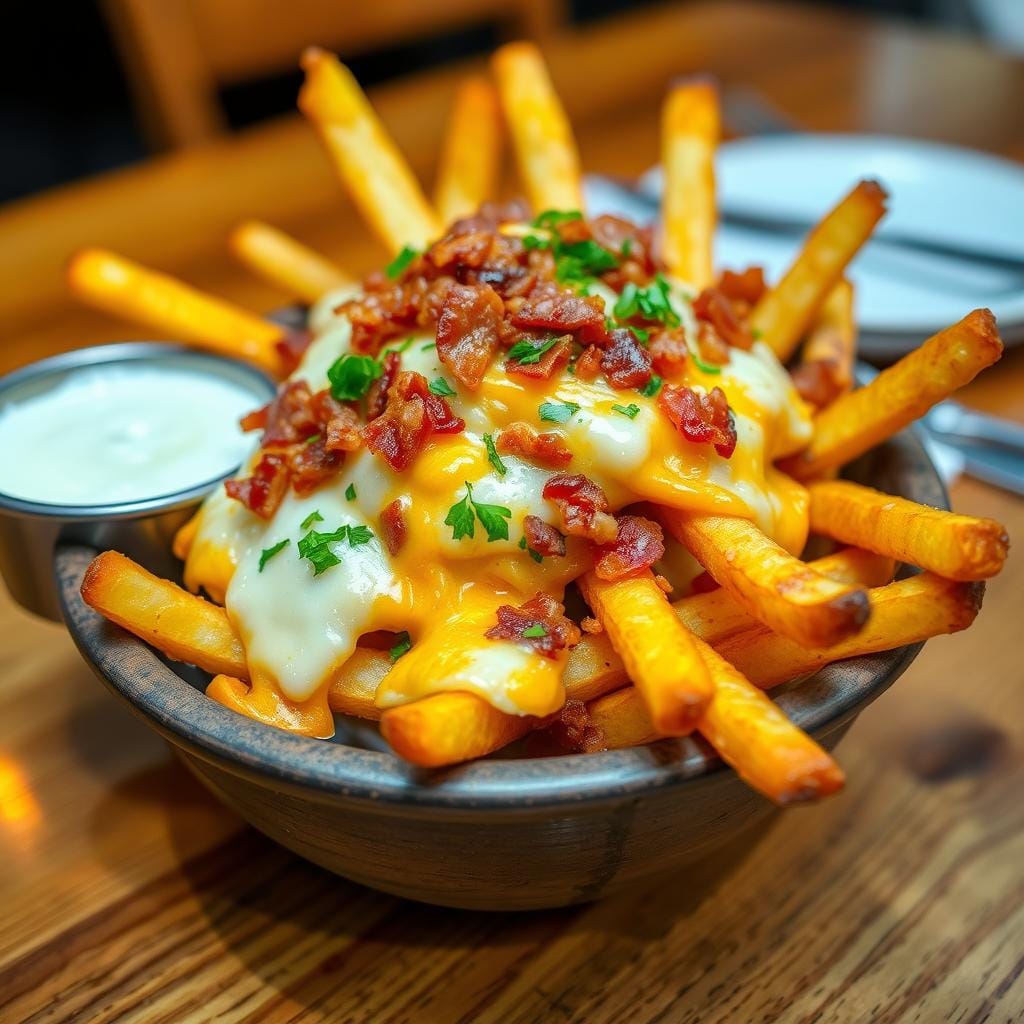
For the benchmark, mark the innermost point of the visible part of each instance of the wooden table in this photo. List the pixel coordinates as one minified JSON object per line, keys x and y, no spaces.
{"x":128,"y":893}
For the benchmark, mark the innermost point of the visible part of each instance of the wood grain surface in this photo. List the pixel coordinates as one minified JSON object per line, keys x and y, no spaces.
{"x":129,"y":894}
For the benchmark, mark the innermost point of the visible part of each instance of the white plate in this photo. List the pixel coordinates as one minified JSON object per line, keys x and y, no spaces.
{"x":937,"y":192}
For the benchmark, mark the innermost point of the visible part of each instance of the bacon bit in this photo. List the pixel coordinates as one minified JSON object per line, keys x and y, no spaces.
{"x":338,"y":421}
{"x":393,"y":528}
{"x":543,"y":537}
{"x":467,"y":331}
{"x":573,"y":730}
{"x":626,"y":364}
{"x":638,"y":544}
{"x":559,"y":309}
{"x":712,"y":306}
{"x":521,"y":439}
{"x":263,"y":491}
{"x":464,"y":249}
{"x":629,"y":243}
{"x":700,"y":418}
{"x":583,"y":506}
{"x":710,"y":346}
{"x":663,"y":584}
{"x":291,"y":347}
{"x":669,"y":350}
{"x":553,"y":361}
{"x":541,"y":610}
{"x":377,"y":396}
{"x":411,"y":415}
{"x":588,"y":363}
{"x":383,"y":312}
{"x":255,"y":420}
{"x":703,"y":583}
{"x":290,"y":417}
{"x":747,"y":286}
{"x":819,"y":382}
{"x":312,"y":464}
{"x":588,"y":624}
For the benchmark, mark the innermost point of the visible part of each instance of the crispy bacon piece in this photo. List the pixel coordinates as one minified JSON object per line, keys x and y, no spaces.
{"x":700,"y":418}
{"x":714,"y":308}
{"x":710,"y":346}
{"x":262,"y":491}
{"x":255,"y":420}
{"x":638,"y":544}
{"x":521,"y":439}
{"x":290,"y":417}
{"x":626,"y":363}
{"x":411,"y":415}
{"x":588,"y":364}
{"x":572,"y":730}
{"x":669,"y":350}
{"x":292,"y":345}
{"x":543,"y":611}
{"x":393,"y":528}
{"x":312,"y":464}
{"x":341,"y":424}
{"x":558,"y":309}
{"x":553,"y":361}
{"x":543,"y":537}
{"x":384,"y":311}
{"x":818,"y":382}
{"x":377,"y":396}
{"x":467,"y":331}
{"x":625,"y":240}
{"x":462,"y":249}
{"x":583,"y":507}
{"x":747,"y":286}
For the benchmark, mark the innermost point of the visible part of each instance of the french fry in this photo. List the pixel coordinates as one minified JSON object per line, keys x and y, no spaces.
{"x":903,"y":612}
{"x":365,"y":157}
{"x":955,"y":546}
{"x":748,"y":730}
{"x":541,"y":135}
{"x":826,"y":363}
{"x":659,"y":652}
{"x":159,"y":303}
{"x":468,"y":172}
{"x":691,"y":127}
{"x":773,"y":586}
{"x":284,"y":262}
{"x":899,"y":395}
{"x":785,"y":312}
{"x":182,"y":625}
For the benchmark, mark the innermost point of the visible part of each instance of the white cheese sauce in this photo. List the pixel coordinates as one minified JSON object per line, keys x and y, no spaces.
{"x":124,"y":432}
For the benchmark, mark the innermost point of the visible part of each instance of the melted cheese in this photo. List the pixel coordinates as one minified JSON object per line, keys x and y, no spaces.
{"x":298,"y":628}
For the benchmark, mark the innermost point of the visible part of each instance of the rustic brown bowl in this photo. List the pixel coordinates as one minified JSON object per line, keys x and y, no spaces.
{"x":503,"y":833}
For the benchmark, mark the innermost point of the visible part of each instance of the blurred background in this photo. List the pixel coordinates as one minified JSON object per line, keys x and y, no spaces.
{"x":121,"y":79}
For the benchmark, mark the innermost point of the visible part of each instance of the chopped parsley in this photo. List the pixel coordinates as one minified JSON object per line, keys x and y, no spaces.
{"x":312,"y":438}
{"x":552,"y":218}
{"x":757,"y":334}
{"x":580,"y":261}
{"x":268,"y":553}
{"x":404,"y":347}
{"x":492,"y":455}
{"x":315,"y":546}
{"x":525,"y":352}
{"x":429,"y":345}
{"x":627,"y":247}
{"x":351,"y":376}
{"x":403,"y":644}
{"x":652,"y":387}
{"x":536,"y":630}
{"x":350,"y":492}
{"x":651,"y":303}
{"x":701,"y":365}
{"x":630,"y":410}
{"x":535,"y":555}
{"x":439,"y":386}
{"x":401,"y":261}
{"x":313,"y":517}
{"x":557,"y":412}
{"x":493,"y":518}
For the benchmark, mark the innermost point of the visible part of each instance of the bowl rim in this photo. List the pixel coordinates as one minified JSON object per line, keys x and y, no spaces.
{"x":820,"y":704}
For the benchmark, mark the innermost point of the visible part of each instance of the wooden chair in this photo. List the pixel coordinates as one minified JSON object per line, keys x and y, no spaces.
{"x":180,"y":52}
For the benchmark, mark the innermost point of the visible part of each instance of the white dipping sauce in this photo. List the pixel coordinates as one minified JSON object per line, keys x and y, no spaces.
{"x":111,"y":434}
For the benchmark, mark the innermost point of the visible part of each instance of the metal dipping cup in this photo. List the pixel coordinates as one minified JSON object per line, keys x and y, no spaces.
{"x":143,"y":529}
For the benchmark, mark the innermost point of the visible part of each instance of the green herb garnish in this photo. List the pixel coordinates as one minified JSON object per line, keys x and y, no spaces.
{"x":350,"y":492}
{"x":557,"y":412}
{"x":535,"y":555}
{"x":701,"y":365}
{"x":268,"y":553}
{"x":312,"y":438}
{"x":403,"y":644}
{"x":651,"y":303}
{"x":439,"y":386}
{"x":536,"y":630}
{"x":552,"y":218}
{"x":351,"y":376}
{"x":652,"y":387}
{"x":315,"y":546}
{"x":630,"y":410}
{"x":429,"y":345}
{"x":492,"y":455}
{"x":313,"y":517}
{"x":401,"y":261}
{"x":493,"y":518}
{"x":526,"y":352}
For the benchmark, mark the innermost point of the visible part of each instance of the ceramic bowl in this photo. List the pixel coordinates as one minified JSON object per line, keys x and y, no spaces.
{"x":503,"y":833}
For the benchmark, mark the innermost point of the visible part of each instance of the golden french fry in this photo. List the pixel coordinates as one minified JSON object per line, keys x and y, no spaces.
{"x":903,"y":612}
{"x":826,"y":363}
{"x":182,"y":625}
{"x":364,"y":155}
{"x":659,"y":652}
{"x":785,"y":312}
{"x":468,"y":172}
{"x":185,"y":536}
{"x":774,"y":587}
{"x":160,"y":303}
{"x":541,"y":135}
{"x":899,"y":395}
{"x":955,"y":546}
{"x":284,"y":262}
{"x":691,"y":127}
